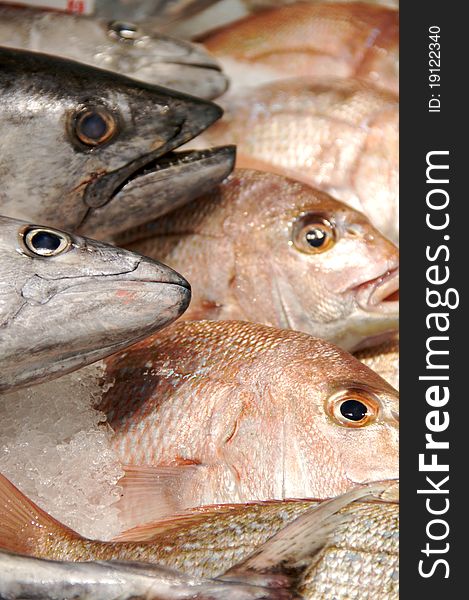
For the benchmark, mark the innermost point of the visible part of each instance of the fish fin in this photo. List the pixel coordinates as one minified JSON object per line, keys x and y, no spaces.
{"x":282,"y":559}
{"x":22,"y":523}
{"x":150,"y":493}
{"x":187,"y":518}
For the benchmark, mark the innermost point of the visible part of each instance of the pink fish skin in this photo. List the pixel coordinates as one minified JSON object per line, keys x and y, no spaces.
{"x":312,"y":40}
{"x":224,"y":411}
{"x":244,"y":249}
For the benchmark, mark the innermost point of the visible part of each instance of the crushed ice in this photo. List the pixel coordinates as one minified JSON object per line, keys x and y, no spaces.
{"x":55,"y":447}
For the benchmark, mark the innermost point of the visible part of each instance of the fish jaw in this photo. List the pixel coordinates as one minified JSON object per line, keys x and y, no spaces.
{"x":170,"y":182}
{"x":80,"y":306}
{"x":166,"y":61}
{"x":191,"y":117}
{"x":376,"y":316}
{"x":147,"y":122}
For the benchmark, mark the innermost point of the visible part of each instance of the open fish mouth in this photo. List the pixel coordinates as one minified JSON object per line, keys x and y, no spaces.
{"x":380,"y":295}
{"x":166,"y":165}
{"x":155,"y":188}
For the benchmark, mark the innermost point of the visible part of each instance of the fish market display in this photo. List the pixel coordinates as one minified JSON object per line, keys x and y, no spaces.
{"x":311,"y":40}
{"x":249,"y":450}
{"x":340,"y":136}
{"x":213,"y":412}
{"x":123,"y":47}
{"x":94,"y":131}
{"x":334,"y":539}
{"x":271,"y":250}
{"x":383,"y":359}
{"x":66,"y":301}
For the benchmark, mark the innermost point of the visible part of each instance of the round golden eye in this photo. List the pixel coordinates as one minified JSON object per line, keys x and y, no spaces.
{"x":46,"y":242}
{"x":95,"y":126}
{"x":313,"y":234}
{"x":353,"y":408}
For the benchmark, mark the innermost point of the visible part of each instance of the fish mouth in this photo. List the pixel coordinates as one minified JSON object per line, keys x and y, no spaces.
{"x":380,"y":295}
{"x":156,"y":188}
{"x":170,"y":162}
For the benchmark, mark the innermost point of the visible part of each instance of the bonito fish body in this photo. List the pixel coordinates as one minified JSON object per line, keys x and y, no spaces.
{"x":340,"y":136}
{"x":244,"y":247}
{"x":67,"y":301}
{"x":235,"y":543}
{"x":119,"y":46}
{"x":220,"y":412}
{"x":102,"y":132}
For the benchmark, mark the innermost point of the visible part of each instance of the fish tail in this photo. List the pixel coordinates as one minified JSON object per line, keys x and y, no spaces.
{"x":23,"y":525}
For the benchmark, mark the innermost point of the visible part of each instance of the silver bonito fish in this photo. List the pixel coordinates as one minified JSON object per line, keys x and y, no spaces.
{"x":67,"y":301}
{"x":103,"y":134}
{"x":119,"y":46}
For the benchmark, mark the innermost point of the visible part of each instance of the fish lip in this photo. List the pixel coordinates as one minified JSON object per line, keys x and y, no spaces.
{"x":172,"y":160}
{"x":371,"y":295}
{"x":102,"y":189}
{"x":162,"y":186}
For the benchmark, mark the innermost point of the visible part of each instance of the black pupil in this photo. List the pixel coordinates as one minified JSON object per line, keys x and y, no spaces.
{"x":45,"y":241}
{"x":93,"y":126}
{"x":354,"y":410}
{"x":316,"y":237}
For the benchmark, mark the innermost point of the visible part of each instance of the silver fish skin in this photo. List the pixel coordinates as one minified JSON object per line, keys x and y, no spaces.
{"x":122,"y":47}
{"x":26,"y":577}
{"x":67,"y":301}
{"x":177,"y":179}
{"x":101,"y":131}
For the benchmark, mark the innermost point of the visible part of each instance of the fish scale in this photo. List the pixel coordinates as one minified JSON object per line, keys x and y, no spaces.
{"x":239,"y":248}
{"x":233,"y":412}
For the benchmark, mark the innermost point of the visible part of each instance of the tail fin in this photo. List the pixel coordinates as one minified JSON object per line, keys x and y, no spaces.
{"x":280,"y":562}
{"x":23,"y":524}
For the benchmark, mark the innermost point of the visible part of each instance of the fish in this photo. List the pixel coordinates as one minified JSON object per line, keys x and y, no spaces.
{"x":119,"y":46}
{"x":383,"y":359}
{"x":67,"y":301}
{"x":355,"y":531}
{"x":38,"y":579}
{"x":244,"y":247}
{"x":340,"y":136}
{"x":209,"y":412}
{"x":304,"y":39}
{"x":102,"y":131}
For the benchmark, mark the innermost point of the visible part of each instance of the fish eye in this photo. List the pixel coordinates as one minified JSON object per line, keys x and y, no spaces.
{"x":123,"y":32}
{"x":46,"y":242}
{"x":353,"y":408}
{"x":94,"y":126}
{"x":313,"y":234}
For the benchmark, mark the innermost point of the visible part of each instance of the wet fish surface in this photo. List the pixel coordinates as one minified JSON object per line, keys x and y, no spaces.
{"x":236,"y":543}
{"x":223,"y":411}
{"x":340,"y":136}
{"x":268,"y":249}
{"x":318,"y":39}
{"x":67,"y":301}
{"x":383,"y":359}
{"x":119,"y":46}
{"x":101,"y":130}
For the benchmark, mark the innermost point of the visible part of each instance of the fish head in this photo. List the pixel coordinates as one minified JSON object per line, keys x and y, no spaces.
{"x":132,"y":49}
{"x":320,"y":266}
{"x":87,"y":132}
{"x":309,"y":420}
{"x":162,"y":60}
{"x":67,"y":301}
